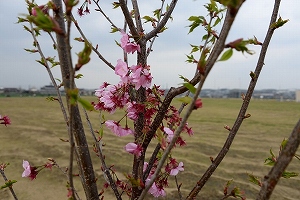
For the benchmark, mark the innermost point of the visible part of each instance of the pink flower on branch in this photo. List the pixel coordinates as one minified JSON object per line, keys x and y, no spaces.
{"x":116,"y":128}
{"x":127,"y":46}
{"x":5,"y":120}
{"x":177,"y":169}
{"x":156,"y":190}
{"x":140,"y":77}
{"x":170,"y":134}
{"x":121,"y":68}
{"x":134,"y":149}
{"x":29,"y":171}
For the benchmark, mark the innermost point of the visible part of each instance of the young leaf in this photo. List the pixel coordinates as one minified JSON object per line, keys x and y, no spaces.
{"x":183,"y":78}
{"x":226,"y":55}
{"x":185,"y":100}
{"x":86,"y":104}
{"x":190,"y":87}
{"x":289,"y":174}
{"x":254,"y":179}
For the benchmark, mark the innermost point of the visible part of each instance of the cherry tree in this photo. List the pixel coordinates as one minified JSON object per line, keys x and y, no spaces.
{"x":146,"y":105}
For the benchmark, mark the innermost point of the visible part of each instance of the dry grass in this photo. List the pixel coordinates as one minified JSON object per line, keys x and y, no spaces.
{"x":37,"y":126}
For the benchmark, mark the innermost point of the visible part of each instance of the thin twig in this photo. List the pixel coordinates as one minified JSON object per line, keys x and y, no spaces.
{"x":163,"y":22}
{"x":94,"y":49}
{"x":240,"y":116}
{"x":105,"y":169}
{"x":285,"y":157}
{"x":104,"y":15}
{"x":128,"y":18}
{"x":10,"y":188}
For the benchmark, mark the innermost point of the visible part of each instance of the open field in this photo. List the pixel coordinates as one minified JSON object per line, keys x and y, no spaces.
{"x":37,"y":126}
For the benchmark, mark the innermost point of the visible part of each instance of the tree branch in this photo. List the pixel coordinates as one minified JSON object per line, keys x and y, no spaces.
{"x":128,"y":19}
{"x":285,"y":157}
{"x":163,"y":22}
{"x":84,"y":160}
{"x":242,"y":113}
{"x":94,"y":49}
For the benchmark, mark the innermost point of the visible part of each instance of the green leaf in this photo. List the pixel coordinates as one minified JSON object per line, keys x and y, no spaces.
{"x":185,"y":100}
{"x":226,"y":55}
{"x":289,"y":174}
{"x":279,"y":23}
{"x":183,"y":78}
{"x":73,"y":94}
{"x":31,"y":50}
{"x":113,"y":29}
{"x":7,"y":184}
{"x":254,"y":179}
{"x":190,"y":87}
{"x":195,"y":48}
{"x":156,"y":13}
{"x":115,"y":5}
{"x":148,"y":19}
{"x":86,"y":104}
{"x":78,"y":76}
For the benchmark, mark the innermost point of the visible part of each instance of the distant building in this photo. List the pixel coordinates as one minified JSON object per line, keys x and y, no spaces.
{"x":8,"y":92}
{"x":48,"y":90}
{"x":297,"y":95}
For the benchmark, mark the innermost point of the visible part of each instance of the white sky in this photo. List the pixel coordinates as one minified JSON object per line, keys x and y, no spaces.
{"x":281,"y":71}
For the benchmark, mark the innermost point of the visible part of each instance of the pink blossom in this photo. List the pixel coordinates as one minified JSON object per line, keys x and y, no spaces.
{"x":49,"y":165}
{"x":112,"y":125}
{"x":140,"y":77}
{"x":116,"y":128}
{"x":121,"y":68}
{"x":26,"y":167}
{"x":198,"y":104}
{"x":134,"y":149}
{"x":131,"y":48}
{"x":131,"y":111}
{"x":124,"y":39}
{"x":127,"y":46}
{"x":124,"y":131}
{"x":6,"y":120}
{"x":155,"y":190}
{"x":176,"y":170}
{"x":170,"y":134}
{"x":29,"y":171}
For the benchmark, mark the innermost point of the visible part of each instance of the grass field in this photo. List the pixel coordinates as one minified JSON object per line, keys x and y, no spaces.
{"x":37,"y":126}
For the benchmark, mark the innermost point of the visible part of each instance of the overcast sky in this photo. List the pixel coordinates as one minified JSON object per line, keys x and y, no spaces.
{"x":281,"y":71}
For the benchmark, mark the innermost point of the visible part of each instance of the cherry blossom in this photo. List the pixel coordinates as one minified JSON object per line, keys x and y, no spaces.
{"x":127,"y":46}
{"x":29,"y":171}
{"x":6,"y":120}
{"x":198,"y":104}
{"x":121,"y":68}
{"x":26,"y":167}
{"x":176,"y":170}
{"x":170,"y":134}
{"x":116,"y":128}
{"x":134,"y":149}
{"x":155,"y":190}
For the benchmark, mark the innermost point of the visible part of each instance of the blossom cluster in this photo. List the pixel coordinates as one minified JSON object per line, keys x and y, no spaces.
{"x":122,"y":96}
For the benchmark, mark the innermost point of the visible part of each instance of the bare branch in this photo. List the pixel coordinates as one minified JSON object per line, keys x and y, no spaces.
{"x":103,"y":13}
{"x":137,"y":16}
{"x":163,"y":22}
{"x":128,"y":18}
{"x":242,"y":113}
{"x":285,"y":157}
{"x":105,"y":169}
{"x":67,"y":71}
{"x":94,"y":49}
